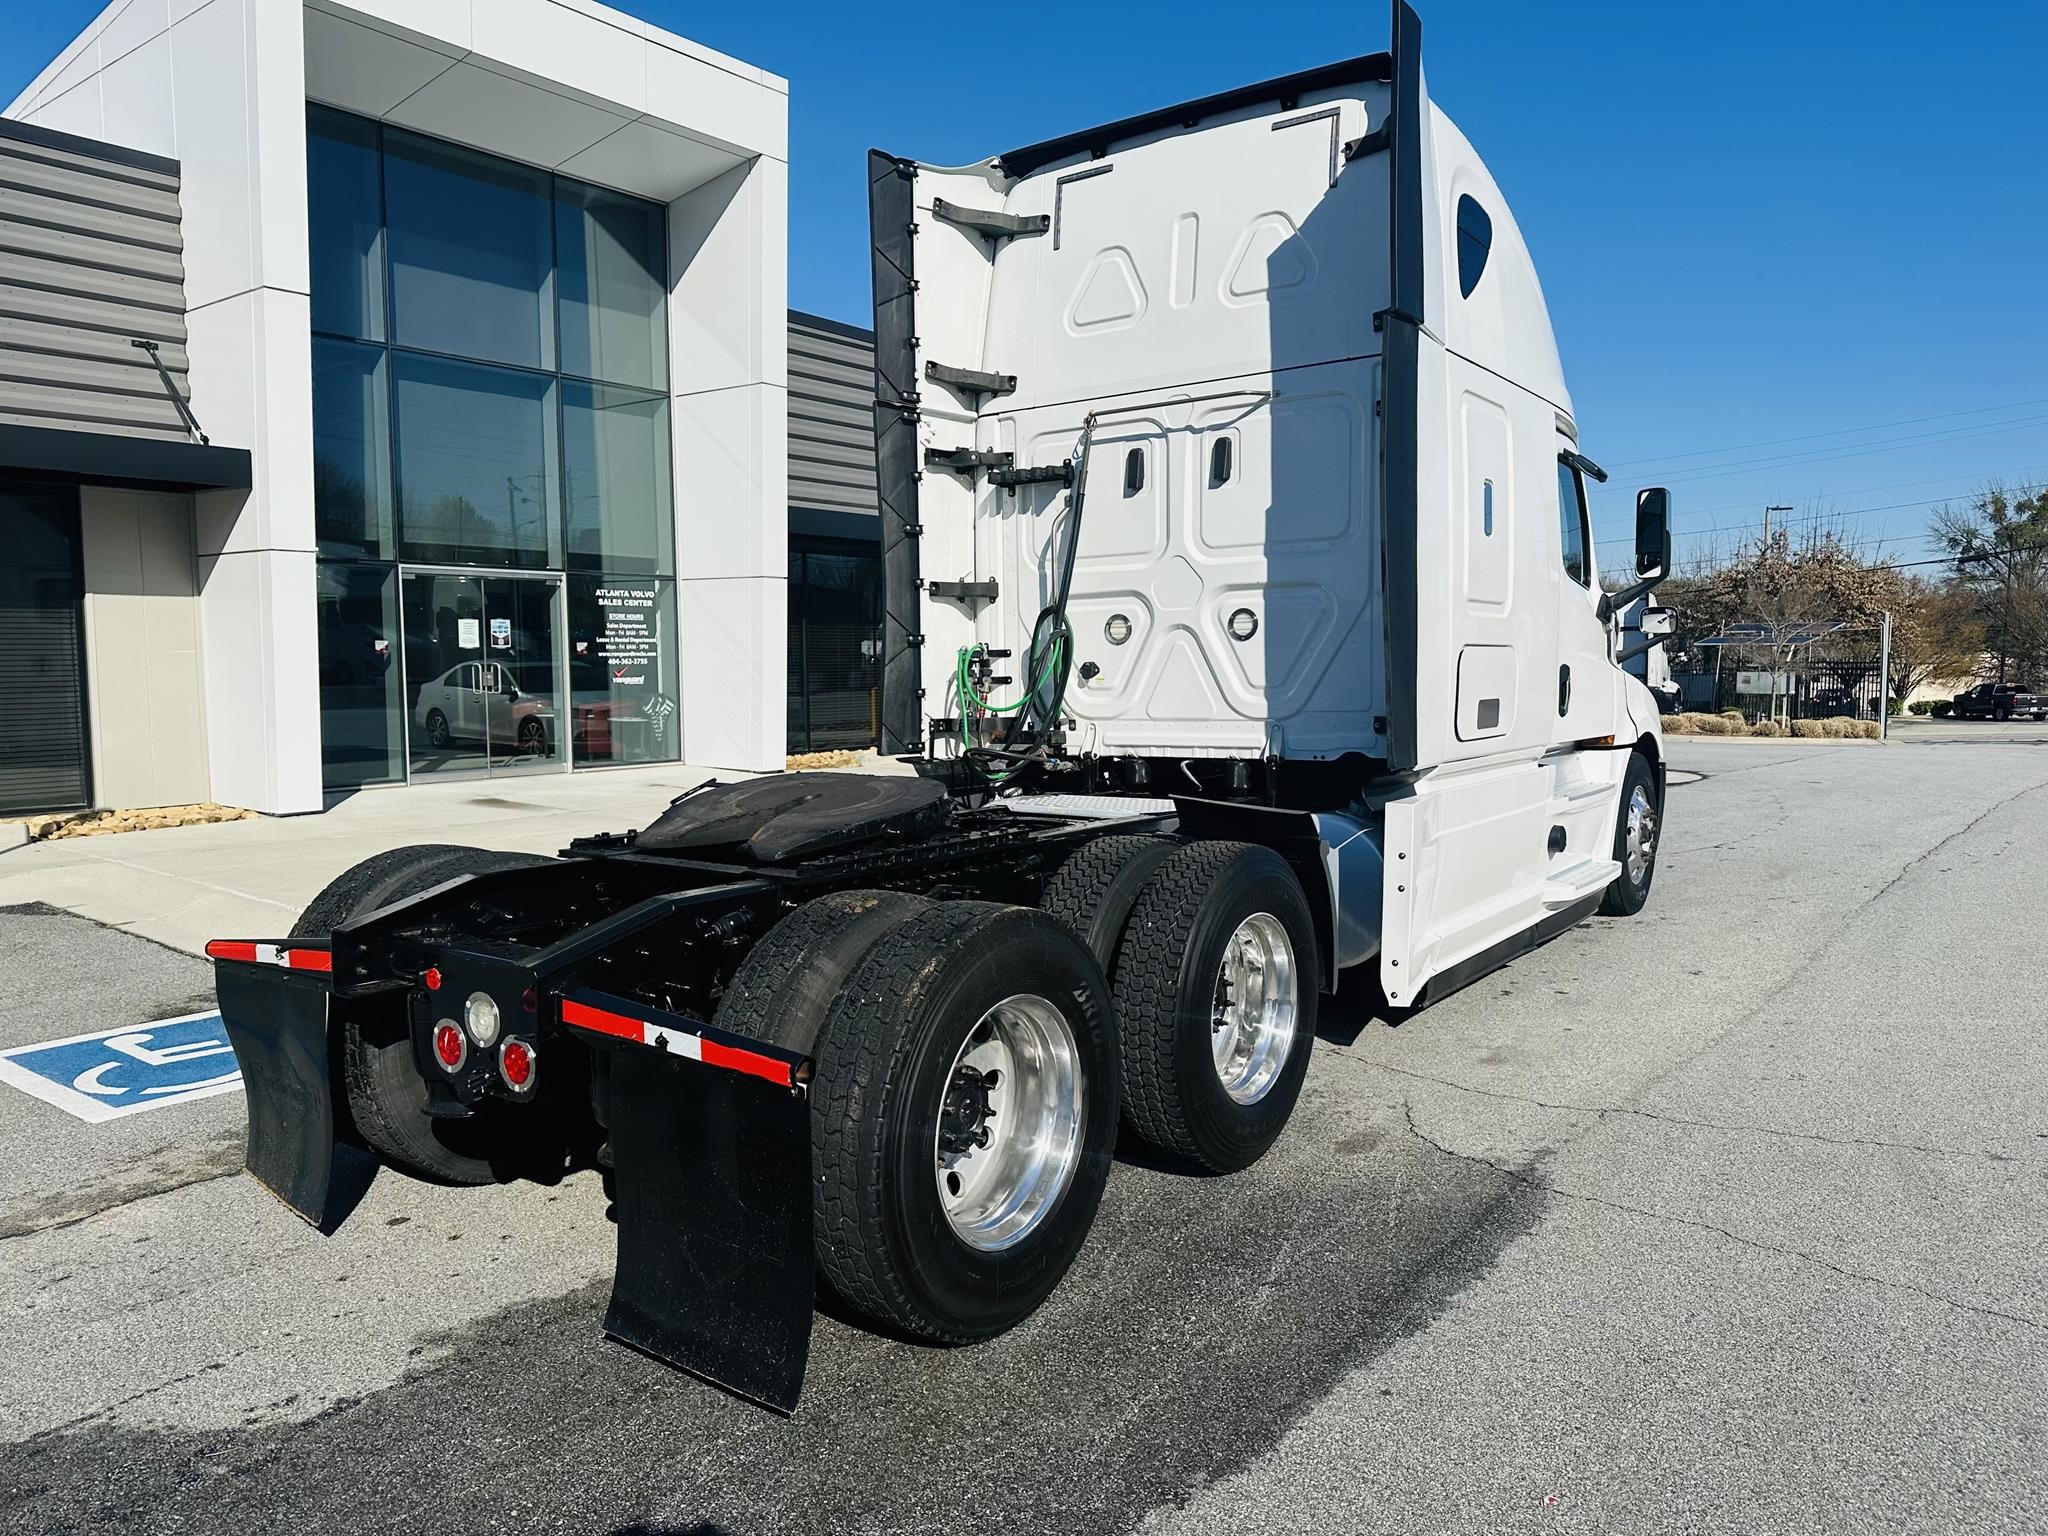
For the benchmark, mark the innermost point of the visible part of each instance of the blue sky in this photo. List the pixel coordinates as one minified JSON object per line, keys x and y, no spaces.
{"x":1793,"y":252}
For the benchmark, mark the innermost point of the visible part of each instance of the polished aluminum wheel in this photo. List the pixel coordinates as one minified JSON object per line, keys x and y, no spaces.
{"x":1252,"y":1027}
{"x":1642,"y":836}
{"x":1009,"y":1135}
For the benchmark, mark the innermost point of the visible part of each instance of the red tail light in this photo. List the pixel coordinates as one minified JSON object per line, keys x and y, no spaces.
{"x":517,"y":1062}
{"x":433,"y":978}
{"x":451,"y":1046}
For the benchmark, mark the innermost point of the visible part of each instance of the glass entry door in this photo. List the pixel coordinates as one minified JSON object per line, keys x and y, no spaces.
{"x":483,"y":674}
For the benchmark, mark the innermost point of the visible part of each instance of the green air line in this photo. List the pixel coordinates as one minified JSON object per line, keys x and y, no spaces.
{"x":1051,"y":669}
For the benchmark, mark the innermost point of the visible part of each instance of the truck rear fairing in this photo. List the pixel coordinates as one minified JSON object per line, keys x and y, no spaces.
{"x":1278,"y":376}
{"x":1275,"y":561}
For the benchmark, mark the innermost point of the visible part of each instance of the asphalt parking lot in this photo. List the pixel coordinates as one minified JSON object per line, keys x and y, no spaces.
{"x":1729,"y":1218}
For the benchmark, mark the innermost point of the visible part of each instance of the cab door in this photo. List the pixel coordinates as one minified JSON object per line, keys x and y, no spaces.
{"x":1586,"y":679}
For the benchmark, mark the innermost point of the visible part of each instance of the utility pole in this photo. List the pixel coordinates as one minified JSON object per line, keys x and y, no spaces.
{"x":1884,"y":682}
{"x":1767,"y":523}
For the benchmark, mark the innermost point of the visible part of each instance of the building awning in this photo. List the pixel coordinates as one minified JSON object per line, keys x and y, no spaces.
{"x":103,"y":458}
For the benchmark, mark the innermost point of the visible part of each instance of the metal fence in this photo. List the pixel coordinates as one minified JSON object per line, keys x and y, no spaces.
{"x":1829,"y":671}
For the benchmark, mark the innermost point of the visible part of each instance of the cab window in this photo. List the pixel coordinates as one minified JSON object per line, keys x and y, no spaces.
{"x":1571,"y":525}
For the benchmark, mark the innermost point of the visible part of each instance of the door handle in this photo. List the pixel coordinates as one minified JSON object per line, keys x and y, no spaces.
{"x":1564,"y":691}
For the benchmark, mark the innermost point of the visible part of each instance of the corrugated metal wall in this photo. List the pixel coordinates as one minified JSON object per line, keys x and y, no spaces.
{"x":831,"y":415}
{"x":91,"y":258}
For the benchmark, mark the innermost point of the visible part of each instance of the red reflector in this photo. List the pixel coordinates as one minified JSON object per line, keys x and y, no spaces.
{"x":231,"y":949}
{"x":451,"y":1046}
{"x":583,"y":1016}
{"x":515,"y":1064}
{"x":716,"y":1055}
{"x":432,"y":978}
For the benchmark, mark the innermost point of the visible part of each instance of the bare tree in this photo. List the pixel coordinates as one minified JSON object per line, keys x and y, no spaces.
{"x":1936,"y":635}
{"x":1784,"y":587}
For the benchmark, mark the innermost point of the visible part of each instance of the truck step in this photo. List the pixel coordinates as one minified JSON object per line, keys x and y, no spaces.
{"x":1575,"y":882}
{"x":1576,"y":795}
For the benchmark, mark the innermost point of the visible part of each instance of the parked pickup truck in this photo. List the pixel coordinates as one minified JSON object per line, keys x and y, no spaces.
{"x":2001,"y":701}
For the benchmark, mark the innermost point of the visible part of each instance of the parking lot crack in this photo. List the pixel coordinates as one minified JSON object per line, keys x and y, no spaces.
{"x":1963,"y":831}
{"x":1602,"y":1111}
{"x":1529,"y":1177}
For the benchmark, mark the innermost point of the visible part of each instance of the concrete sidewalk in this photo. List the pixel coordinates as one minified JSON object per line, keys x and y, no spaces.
{"x":184,"y":885}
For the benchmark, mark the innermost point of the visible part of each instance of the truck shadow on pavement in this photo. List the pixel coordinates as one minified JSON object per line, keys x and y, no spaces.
{"x":1205,"y":1316}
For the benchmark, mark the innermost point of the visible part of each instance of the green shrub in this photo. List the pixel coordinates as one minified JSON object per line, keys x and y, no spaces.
{"x":1920,"y":707}
{"x":1943,"y":708}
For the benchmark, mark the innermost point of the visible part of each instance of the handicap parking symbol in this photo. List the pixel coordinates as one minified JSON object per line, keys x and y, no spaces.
{"x":117,"y":1072}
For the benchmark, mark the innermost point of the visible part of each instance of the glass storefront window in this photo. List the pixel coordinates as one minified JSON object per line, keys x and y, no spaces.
{"x":351,"y":451}
{"x":615,"y":479}
{"x":490,"y":378}
{"x":612,"y":253}
{"x":347,"y":237}
{"x":835,"y":646}
{"x":622,"y":670}
{"x":477,"y":464}
{"x":472,"y":253}
{"x":362,"y":728}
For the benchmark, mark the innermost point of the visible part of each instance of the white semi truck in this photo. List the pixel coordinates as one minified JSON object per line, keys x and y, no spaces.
{"x":1244,"y":632}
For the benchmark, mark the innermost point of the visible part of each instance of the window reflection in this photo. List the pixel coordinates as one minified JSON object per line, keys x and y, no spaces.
{"x":612,"y":254}
{"x":471,"y":257}
{"x":615,"y":478}
{"x":835,"y":645}
{"x":347,"y":239}
{"x":361,"y":726}
{"x":476,"y":464}
{"x":351,"y":451}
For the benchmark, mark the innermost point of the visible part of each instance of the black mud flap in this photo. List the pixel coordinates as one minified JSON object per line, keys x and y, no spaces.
{"x":712,"y":1170}
{"x":277,"y":1022}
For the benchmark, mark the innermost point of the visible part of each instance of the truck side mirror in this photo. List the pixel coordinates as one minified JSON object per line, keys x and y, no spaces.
{"x":1653,"y":531}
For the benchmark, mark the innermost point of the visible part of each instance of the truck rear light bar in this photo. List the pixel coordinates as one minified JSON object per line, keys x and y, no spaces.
{"x":293,"y":957}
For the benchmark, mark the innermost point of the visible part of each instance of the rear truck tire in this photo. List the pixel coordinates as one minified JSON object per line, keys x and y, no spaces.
{"x":370,"y":1047}
{"x":1635,"y":841}
{"x":1092,"y":894}
{"x":1216,"y":994}
{"x":783,"y":988}
{"x":964,"y":1114}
